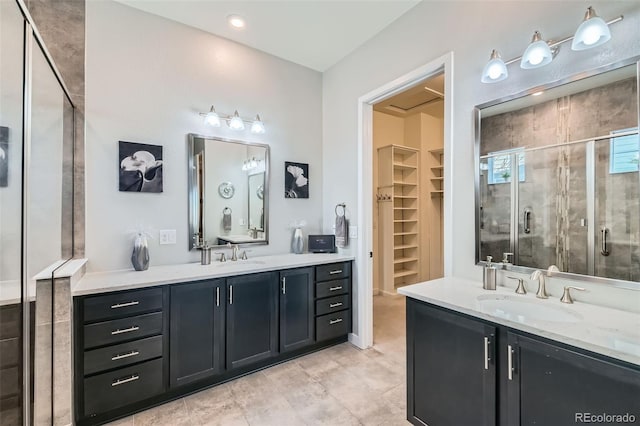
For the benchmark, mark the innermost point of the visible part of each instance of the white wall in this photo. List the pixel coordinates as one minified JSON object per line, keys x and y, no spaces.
{"x":146,"y":80}
{"x":471,"y":30}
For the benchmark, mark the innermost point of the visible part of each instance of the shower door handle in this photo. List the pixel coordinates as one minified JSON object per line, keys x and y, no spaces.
{"x":527,"y":221}
{"x":604,"y":250}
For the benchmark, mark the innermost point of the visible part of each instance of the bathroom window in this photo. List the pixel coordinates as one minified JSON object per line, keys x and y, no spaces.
{"x":500,"y":166}
{"x":623,"y":155}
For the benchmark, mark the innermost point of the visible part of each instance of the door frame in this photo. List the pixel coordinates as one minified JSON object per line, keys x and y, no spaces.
{"x":363,"y":337}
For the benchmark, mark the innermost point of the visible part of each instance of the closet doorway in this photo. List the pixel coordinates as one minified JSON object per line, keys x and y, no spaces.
{"x":407,"y":200}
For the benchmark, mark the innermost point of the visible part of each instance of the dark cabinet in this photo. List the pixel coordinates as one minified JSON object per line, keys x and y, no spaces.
{"x":451,"y":374}
{"x":196,"y":329}
{"x":551,"y":385}
{"x":296,"y":309}
{"x":252,"y":318}
{"x":464,"y":371}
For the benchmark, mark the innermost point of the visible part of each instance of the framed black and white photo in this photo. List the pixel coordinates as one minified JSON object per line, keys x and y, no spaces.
{"x":140,"y":167}
{"x":4,"y":156}
{"x":296,"y":180}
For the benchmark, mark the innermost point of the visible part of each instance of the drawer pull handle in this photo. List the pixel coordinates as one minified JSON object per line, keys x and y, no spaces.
{"x":337,"y":271}
{"x":335,"y":321}
{"x":335,"y":305}
{"x":510,"y":368}
{"x":125,"y":330}
{"x":335,"y":288}
{"x":124,"y":305}
{"x":124,"y":355}
{"x":131,"y":378}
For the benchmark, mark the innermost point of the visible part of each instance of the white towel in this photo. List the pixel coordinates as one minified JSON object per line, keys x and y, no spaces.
{"x":342,"y":231}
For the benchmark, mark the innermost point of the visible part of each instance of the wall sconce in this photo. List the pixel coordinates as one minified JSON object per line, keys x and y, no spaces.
{"x":234,"y":122}
{"x":592,"y":32}
{"x":250,"y":164}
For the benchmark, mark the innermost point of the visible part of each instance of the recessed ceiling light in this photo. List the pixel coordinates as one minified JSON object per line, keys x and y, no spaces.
{"x":538,"y":93}
{"x":236,"y":21}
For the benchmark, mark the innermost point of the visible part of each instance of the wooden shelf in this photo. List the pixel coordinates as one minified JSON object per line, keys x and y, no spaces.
{"x":399,"y":167}
{"x":437,"y":151}
{"x":437,"y":168}
{"x":440,"y":178}
{"x":398,"y":260}
{"x":404,"y":166}
{"x":404,"y":273}
{"x":405,"y":247}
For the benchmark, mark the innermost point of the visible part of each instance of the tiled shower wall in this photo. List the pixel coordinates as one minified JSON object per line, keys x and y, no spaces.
{"x":555,"y":183}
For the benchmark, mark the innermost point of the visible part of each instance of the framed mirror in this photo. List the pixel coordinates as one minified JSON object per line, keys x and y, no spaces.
{"x":557,"y":180}
{"x":228,"y":191}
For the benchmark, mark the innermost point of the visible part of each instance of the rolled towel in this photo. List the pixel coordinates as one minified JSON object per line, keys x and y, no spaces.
{"x":342,"y":231}
{"x":226,"y":219}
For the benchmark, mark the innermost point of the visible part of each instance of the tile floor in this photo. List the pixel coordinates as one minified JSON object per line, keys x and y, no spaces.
{"x":341,"y":385}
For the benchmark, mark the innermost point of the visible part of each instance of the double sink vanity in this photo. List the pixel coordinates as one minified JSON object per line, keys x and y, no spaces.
{"x":144,"y":338}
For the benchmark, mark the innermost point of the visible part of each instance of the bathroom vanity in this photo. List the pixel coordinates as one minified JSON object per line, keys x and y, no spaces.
{"x":144,"y":338}
{"x":498,"y":358}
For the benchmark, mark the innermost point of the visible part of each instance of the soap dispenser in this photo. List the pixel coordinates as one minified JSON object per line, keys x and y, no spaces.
{"x":490,"y":275}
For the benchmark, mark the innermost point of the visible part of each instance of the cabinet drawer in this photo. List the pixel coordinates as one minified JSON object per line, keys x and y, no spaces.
{"x":117,"y":331}
{"x":122,"y":355}
{"x":332,"y":288}
{"x":118,"y":305}
{"x":125,"y":386}
{"x":333,"y":304}
{"x":333,"y":325}
{"x":333,"y":271}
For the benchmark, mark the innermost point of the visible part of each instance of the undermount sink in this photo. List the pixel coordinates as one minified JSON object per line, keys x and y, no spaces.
{"x":241,"y":262}
{"x":524,"y":311}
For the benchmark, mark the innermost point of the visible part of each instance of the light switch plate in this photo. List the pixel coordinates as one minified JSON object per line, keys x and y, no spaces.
{"x":241,"y":222}
{"x":167,"y":236}
{"x":353,"y":232}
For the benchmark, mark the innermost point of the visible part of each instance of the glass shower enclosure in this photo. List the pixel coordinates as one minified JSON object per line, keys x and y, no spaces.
{"x":37,"y":120}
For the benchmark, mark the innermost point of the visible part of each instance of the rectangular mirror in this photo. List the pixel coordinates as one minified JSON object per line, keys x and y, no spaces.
{"x":228,"y":191}
{"x":557,"y":180}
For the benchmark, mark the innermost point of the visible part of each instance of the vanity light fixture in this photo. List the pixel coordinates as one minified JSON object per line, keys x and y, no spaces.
{"x":593,"y":31}
{"x":235,"y":122}
{"x":538,"y":53}
{"x":257,"y":126}
{"x":495,"y":70}
{"x":212,"y":118}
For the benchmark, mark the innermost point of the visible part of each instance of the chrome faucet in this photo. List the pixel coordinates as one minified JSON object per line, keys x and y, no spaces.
{"x":234,"y":254}
{"x":542,"y":291}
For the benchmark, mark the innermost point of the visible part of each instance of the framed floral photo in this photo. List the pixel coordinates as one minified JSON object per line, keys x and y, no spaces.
{"x":296,"y":180}
{"x":140,"y":167}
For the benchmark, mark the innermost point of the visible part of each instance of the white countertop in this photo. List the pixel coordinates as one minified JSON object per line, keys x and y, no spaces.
{"x":606,"y":331}
{"x":102,"y":282}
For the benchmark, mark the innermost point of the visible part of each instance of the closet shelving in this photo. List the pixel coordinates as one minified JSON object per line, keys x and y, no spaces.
{"x":437,"y":172}
{"x":399,"y":178}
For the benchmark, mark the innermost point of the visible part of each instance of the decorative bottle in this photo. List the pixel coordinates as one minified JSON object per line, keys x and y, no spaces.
{"x":140,"y":255}
{"x":297,"y":243}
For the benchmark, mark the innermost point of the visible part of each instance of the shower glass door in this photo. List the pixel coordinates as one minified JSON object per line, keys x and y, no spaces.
{"x":617,"y":208}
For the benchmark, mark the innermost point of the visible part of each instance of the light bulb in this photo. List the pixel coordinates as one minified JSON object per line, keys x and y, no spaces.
{"x":538,"y":53}
{"x":236,"y":21}
{"x":495,"y":70}
{"x":212,"y":118}
{"x":236,"y":122}
{"x":257,"y":126}
{"x":591,"y":33}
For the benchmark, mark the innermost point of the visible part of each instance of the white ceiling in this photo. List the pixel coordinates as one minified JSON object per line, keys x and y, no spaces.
{"x":313,"y":33}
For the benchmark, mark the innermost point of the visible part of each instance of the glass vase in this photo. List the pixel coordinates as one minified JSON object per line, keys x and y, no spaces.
{"x":297,"y":243}
{"x":140,"y":255}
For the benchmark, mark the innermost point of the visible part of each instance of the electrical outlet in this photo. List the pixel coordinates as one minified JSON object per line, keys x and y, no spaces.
{"x":353,"y":232}
{"x":167,"y":236}
{"x":241,"y":222}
